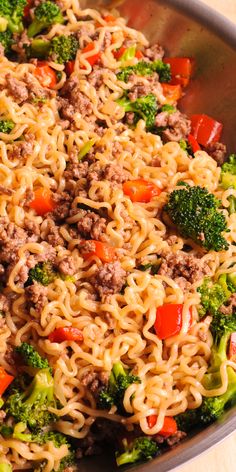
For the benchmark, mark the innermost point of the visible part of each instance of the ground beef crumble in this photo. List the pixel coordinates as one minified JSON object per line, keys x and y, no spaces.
{"x":36,"y":295}
{"x":109,"y":278}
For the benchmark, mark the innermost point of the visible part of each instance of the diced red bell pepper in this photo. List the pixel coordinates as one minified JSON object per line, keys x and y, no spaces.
{"x":27,"y":9}
{"x":205,"y":129}
{"x":140,"y":190}
{"x":193,"y":143}
{"x":181,"y":69}
{"x":169,"y":426}
{"x":169,"y":320}
{"x":5,"y":380}
{"x":172,"y":93}
{"x":91,"y":59}
{"x":119,"y":52}
{"x":232,"y":346}
{"x":139,"y":54}
{"x":70,"y":67}
{"x":103,"y":251}
{"x":68,"y":333}
{"x":45,"y":74}
{"x":42,"y":202}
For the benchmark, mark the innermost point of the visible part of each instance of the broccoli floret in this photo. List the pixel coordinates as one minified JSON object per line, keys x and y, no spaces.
{"x":140,"y":449}
{"x":6,"y":41}
{"x":31,"y":357}
{"x":43,"y":273}
{"x":64,"y":48}
{"x":13,"y":12}
{"x":45,"y":15}
{"x":228,"y":180}
{"x":31,"y":405}
{"x":169,"y":108}
{"x":213,"y":407}
{"x":5,"y":467}
{"x":146,"y":68}
{"x":39,"y":48}
{"x":195,"y":213}
{"x":6,"y":126}
{"x":144,"y":108}
{"x":119,"y":381}
{"x":214,"y":295}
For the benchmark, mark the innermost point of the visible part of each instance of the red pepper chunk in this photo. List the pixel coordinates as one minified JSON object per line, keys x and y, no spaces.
{"x":181,"y":69}
{"x":45,"y":74}
{"x":91,"y":59}
{"x":193,"y":143}
{"x":42,"y":202}
{"x":68,"y":333}
{"x":205,"y":129}
{"x":169,"y":320}
{"x":232,"y":346}
{"x":69,"y":67}
{"x":140,"y":190}
{"x":5,"y":380}
{"x":103,"y":251}
{"x":172,"y":93}
{"x":169,"y":426}
{"x":27,"y":9}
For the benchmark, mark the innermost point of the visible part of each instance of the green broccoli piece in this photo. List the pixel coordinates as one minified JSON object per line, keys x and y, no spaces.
{"x":169,"y":108}
{"x":45,"y":15}
{"x":6,"y":126}
{"x":214,"y":295}
{"x":195,"y":213}
{"x":64,"y":48}
{"x":119,"y":381}
{"x":228,"y":180}
{"x":6,"y":41}
{"x":128,"y":54}
{"x":39,"y":48}
{"x":140,"y":449}
{"x":13,"y":12}
{"x":31,"y":406}
{"x":144,"y":68}
{"x":31,"y":357}
{"x":5,"y":467}
{"x":43,"y":273}
{"x":213,"y":407}
{"x":144,"y":108}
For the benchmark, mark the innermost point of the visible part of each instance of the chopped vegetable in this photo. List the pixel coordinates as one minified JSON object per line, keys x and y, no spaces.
{"x":6,"y":40}
{"x":143,"y":108}
{"x":5,"y":467}
{"x":6,"y":126}
{"x":232,"y":346}
{"x":119,"y":381}
{"x":42,"y":202}
{"x":64,"y":48}
{"x":46,"y":14}
{"x":146,"y":68}
{"x":140,"y":449}
{"x":140,"y":190}
{"x":128,"y":54}
{"x":69,"y":67}
{"x":13,"y":12}
{"x":31,"y":405}
{"x":39,"y":48}
{"x":86,"y":148}
{"x":214,"y":295}
{"x":95,"y":57}
{"x":181,"y":69}
{"x":103,"y":251}
{"x":193,"y":143}
{"x":169,"y":426}
{"x":31,"y":357}
{"x":5,"y":380}
{"x":43,"y":273}
{"x":67,"y":333}
{"x":45,"y":75}
{"x":169,"y":320}
{"x":172,"y":93}
{"x":195,"y":213}
{"x":205,"y":129}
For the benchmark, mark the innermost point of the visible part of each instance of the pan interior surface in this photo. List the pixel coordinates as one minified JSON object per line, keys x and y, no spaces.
{"x":196,"y":31}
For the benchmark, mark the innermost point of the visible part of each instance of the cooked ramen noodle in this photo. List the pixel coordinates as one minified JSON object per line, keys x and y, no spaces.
{"x":98,"y":274}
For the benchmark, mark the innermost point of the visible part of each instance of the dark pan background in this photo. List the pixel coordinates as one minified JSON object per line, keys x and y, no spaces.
{"x":187,"y":28}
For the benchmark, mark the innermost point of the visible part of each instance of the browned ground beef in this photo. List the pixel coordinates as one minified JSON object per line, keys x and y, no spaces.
{"x":109,"y":278}
{"x":95,"y":381}
{"x":218,"y":151}
{"x":230,"y":307}
{"x":36,"y":294}
{"x":91,"y":225}
{"x":67,"y":266}
{"x":178,"y":126}
{"x":154,"y":52}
